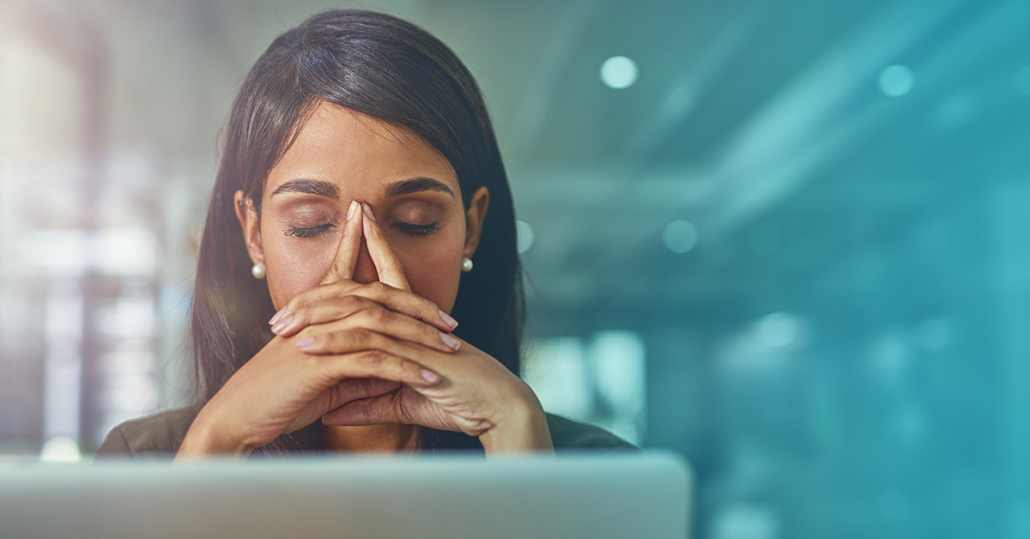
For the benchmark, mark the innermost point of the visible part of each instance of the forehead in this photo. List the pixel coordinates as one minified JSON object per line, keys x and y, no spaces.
{"x":359,"y":153}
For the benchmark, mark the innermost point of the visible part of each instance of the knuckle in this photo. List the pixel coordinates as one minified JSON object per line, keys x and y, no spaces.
{"x":339,"y":307}
{"x":428,"y":308}
{"x":359,"y":337}
{"x":406,"y":368}
{"x":411,"y":369}
{"x":310,"y":294}
{"x":337,"y":286}
{"x":302,"y":312}
{"x":380,"y":315}
{"x":413,"y":300}
{"x":374,"y":360}
{"x":294,"y":304}
{"x":350,"y":301}
{"x":338,"y":340}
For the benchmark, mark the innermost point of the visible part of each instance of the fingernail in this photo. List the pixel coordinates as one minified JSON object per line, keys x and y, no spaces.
{"x":353,"y":208}
{"x":305,"y":342}
{"x":451,"y":341}
{"x":368,"y":211}
{"x":282,"y":324}
{"x":448,"y":319}
{"x":430,"y":376}
{"x":277,"y":316}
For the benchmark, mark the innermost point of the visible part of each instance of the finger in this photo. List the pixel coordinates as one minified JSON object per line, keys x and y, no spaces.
{"x":293,"y":318}
{"x":387,"y":265}
{"x":331,"y":337}
{"x":371,"y":411}
{"x":342,"y":267}
{"x":305,"y":313}
{"x":377,"y":364}
{"x":283,"y":320}
{"x":405,"y":302}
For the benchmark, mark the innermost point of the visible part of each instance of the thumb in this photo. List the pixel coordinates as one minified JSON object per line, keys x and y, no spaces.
{"x":352,"y":389}
{"x":342,"y":266}
{"x":388,"y":266}
{"x":369,"y":411}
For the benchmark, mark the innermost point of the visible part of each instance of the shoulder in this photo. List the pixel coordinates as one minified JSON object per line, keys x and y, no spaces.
{"x":569,"y":434}
{"x":158,"y":435}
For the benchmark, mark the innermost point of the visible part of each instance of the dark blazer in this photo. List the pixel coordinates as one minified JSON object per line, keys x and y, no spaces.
{"x":160,"y":435}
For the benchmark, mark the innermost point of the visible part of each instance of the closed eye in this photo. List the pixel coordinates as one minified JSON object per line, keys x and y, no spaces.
{"x":299,"y":232}
{"x":418,"y":230}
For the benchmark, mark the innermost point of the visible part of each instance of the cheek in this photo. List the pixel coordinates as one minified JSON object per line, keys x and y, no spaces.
{"x":294,"y":266}
{"x":433,"y":268}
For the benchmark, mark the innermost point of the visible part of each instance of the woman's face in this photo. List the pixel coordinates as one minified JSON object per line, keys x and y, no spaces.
{"x":339,"y":156}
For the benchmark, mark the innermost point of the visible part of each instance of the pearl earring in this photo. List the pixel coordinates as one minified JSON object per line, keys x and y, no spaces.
{"x":258,"y":271}
{"x":466,"y":265}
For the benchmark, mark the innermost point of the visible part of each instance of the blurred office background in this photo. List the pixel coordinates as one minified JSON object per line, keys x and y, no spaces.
{"x":789,"y":239}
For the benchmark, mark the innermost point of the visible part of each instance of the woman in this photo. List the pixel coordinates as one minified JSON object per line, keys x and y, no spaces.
{"x":359,"y":180}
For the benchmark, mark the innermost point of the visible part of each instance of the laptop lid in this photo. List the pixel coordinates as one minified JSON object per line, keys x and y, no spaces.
{"x":644,"y":495}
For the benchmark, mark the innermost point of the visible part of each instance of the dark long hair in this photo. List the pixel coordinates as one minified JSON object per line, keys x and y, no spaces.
{"x":392,"y":70}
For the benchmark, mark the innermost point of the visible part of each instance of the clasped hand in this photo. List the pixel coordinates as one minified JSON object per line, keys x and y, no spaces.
{"x":361,"y":354}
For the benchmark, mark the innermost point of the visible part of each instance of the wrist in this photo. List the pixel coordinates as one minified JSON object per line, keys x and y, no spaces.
{"x":523,"y":428}
{"x":206,"y":438}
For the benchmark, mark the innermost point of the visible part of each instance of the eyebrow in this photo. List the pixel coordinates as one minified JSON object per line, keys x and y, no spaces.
{"x":329,"y":189}
{"x":310,"y":187}
{"x":416,"y":185}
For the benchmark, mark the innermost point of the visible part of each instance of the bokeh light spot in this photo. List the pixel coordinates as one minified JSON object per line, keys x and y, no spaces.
{"x":778,"y":330}
{"x":619,"y":72}
{"x":524,"y":235}
{"x":897,"y":80}
{"x":680,"y":236}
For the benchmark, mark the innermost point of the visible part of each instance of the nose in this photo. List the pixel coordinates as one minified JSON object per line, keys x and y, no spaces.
{"x":365,"y":270}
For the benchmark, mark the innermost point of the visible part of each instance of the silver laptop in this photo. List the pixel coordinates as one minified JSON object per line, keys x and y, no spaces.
{"x":571,"y":496}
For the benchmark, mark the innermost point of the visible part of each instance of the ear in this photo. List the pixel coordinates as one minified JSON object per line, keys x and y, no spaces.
{"x":247,"y":215}
{"x":474,"y":220}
